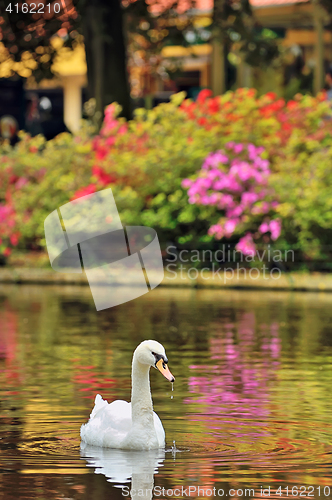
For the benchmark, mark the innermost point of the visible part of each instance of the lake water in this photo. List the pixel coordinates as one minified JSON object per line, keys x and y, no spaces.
{"x":251,"y":413}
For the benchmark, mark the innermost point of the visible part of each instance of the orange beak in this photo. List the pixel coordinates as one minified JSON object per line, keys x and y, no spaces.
{"x":164,"y":370}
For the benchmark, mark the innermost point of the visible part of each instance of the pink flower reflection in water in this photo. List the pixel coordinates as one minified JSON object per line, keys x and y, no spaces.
{"x":11,"y":376}
{"x":244,"y":361}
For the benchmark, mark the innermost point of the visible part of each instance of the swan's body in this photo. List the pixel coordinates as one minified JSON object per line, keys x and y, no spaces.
{"x":110,"y":426}
{"x":131,"y":426}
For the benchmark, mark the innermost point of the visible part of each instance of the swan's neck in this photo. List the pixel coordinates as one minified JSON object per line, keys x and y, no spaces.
{"x":141,"y":402}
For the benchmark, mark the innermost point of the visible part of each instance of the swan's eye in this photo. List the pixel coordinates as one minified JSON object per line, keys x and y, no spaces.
{"x":158,"y":357}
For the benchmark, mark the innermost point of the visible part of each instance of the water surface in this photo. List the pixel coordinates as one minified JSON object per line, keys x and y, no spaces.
{"x":251,"y":406}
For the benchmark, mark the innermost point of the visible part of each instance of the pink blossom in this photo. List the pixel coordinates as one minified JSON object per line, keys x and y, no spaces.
{"x":14,"y":239}
{"x":226,"y":200}
{"x":214,"y":198}
{"x":216,"y":231}
{"x":265,"y":207}
{"x":261,"y":208}
{"x":214,"y":159}
{"x":258,"y":178}
{"x":186,"y":183}
{"x":264,"y":228}
{"x":221,"y":184}
{"x":205,"y":200}
{"x":232,"y":184}
{"x":234,"y":212}
{"x":254,"y":152}
{"x":5,"y":211}
{"x":275,"y":228}
{"x":123,"y":129}
{"x":243,"y":170}
{"x":221,"y":157}
{"x":246,"y":245}
{"x":209,"y":161}
{"x":21,"y":182}
{"x":212,"y":174}
{"x":249,"y":198}
{"x":205,"y":182}
{"x":261,"y":163}
{"x":110,"y":111}
{"x":238,"y":148}
{"x":230,"y":226}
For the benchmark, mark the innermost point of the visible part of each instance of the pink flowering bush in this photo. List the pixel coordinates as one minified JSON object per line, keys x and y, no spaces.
{"x":9,"y":232}
{"x":236,"y":182}
{"x":8,"y":236}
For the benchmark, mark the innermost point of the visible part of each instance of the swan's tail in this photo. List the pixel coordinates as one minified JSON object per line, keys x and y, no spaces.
{"x":99,"y":404}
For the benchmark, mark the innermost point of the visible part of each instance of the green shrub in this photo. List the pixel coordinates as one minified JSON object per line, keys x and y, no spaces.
{"x":303,"y":182}
{"x":37,"y":176}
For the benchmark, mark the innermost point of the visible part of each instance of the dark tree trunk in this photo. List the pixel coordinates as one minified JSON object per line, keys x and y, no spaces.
{"x":106,"y":54}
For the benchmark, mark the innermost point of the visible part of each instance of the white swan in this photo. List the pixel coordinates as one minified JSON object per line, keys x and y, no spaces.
{"x":131,"y":426}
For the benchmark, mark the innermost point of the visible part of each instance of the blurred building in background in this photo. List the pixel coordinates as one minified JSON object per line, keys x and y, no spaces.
{"x":299,"y":24}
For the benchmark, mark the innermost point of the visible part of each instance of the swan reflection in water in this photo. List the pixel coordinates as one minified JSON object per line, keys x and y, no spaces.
{"x":124,"y":466}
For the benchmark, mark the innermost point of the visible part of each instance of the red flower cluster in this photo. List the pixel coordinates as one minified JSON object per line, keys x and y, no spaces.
{"x":91,"y":188}
{"x":268,"y":115}
{"x":203,"y":108}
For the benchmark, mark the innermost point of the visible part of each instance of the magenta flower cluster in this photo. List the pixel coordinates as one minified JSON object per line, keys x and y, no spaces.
{"x":236,"y":182}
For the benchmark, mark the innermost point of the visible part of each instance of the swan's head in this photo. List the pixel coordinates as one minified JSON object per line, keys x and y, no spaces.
{"x":151,"y":353}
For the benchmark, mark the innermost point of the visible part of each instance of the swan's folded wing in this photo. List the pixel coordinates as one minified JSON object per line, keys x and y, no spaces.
{"x":100,"y":403}
{"x":118,"y":414}
{"x":108,"y":424}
